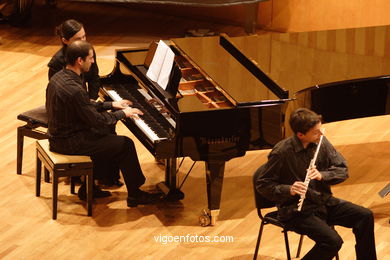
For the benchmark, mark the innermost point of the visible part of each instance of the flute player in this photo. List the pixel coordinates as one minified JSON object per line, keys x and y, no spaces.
{"x":281,"y":180}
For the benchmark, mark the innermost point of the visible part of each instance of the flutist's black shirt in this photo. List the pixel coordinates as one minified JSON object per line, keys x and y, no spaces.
{"x":288,"y":162}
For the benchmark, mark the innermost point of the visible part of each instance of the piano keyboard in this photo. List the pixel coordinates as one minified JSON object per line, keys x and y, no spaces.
{"x":148,"y":125}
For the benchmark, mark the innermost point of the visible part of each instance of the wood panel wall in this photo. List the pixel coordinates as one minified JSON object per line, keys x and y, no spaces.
{"x":297,"y":15}
{"x":312,"y":15}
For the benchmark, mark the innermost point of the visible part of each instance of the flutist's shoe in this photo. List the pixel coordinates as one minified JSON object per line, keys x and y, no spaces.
{"x":142,"y":197}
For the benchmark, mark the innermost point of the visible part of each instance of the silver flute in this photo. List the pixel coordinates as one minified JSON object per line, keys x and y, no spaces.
{"x":307,"y":179}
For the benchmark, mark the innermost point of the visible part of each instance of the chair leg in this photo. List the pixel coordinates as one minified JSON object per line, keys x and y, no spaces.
{"x":19,"y":150}
{"x":38,"y":171}
{"x":89,"y":192}
{"x":47,"y":175}
{"x":299,"y":246}
{"x":72,"y":185}
{"x":258,"y":240}
{"x":55,"y":194}
{"x":287,"y":245}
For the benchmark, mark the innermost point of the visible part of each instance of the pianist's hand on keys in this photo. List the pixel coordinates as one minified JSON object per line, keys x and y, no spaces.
{"x":124,"y":104}
{"x":121,"y":104}
{"x":132,"y":112}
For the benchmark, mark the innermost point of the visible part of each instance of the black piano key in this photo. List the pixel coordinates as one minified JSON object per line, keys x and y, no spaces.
{"x":151,"y":116}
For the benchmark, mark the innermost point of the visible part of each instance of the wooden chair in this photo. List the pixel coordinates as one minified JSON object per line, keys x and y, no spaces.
{"x":60,"y":165}
{"x":272,"y":218}
{"x":34,"y":119}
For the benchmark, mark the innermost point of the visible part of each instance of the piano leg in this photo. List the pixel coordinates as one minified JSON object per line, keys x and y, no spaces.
{"x":214,"y":177}
{"x":170,"y":187}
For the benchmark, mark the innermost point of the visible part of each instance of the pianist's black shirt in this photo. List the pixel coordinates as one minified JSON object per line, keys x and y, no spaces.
{"x":287,"y":163}
{"x":90,"y":78}
{"x":72,"y":117}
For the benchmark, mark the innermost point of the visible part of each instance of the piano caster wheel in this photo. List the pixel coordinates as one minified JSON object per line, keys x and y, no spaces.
{"x":205,"y":219}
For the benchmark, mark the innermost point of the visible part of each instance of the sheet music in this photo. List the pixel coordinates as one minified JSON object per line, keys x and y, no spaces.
{"x":161,"y":66}
{"x":166,"y":69}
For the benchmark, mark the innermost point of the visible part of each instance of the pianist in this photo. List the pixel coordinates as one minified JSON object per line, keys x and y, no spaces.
{"x":70,"y":31}
{"x":72,"y":118}
{"x":281,"y":180}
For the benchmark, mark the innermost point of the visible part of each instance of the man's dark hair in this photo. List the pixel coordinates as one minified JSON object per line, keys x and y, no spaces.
{"x":68,"y":28}
{"x":77,"y":49}
{"x":303,"y":119}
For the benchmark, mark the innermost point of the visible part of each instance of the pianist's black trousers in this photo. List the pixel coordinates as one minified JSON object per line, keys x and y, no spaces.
{"x":328,"y":242}
{"x":109,"y":172}
{"x":114,"y":150}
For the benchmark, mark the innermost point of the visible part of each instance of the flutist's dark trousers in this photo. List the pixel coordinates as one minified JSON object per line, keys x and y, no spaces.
{"x":328,"y":242}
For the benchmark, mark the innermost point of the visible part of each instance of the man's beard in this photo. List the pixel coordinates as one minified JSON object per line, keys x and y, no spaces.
{"x":85,"y":70}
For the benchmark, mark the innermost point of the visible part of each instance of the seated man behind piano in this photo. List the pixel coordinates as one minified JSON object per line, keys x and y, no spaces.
{"x":70,"y":31}
{"x":281,"y":180}
{"x":73,"y":119}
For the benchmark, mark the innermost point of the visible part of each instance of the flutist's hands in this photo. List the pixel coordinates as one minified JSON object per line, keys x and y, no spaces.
{"x":314,"y":174}
{"x":121,"y":104}
{"x":299,"y":188}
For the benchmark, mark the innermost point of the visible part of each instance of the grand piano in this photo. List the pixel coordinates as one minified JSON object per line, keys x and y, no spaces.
{"x":228,"y":95}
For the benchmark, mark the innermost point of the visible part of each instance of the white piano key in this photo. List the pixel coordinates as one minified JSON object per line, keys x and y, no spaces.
{"x":115,"y":96}
{"x":170,"y":120}
{"x":146,"y":129}
{"x":145,"y":94}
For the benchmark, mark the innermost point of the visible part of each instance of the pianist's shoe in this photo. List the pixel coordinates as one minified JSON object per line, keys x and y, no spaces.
{"x":97,"y":192}
{"x":142,"y":197}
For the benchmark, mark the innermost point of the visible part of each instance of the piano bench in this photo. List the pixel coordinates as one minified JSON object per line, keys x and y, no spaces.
{"x":60,"y":165}
{"x":34,"y":118}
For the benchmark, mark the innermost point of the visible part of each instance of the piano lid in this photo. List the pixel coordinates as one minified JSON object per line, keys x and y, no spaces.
{"x":230,"y":75}
{"x":296,"y":61}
